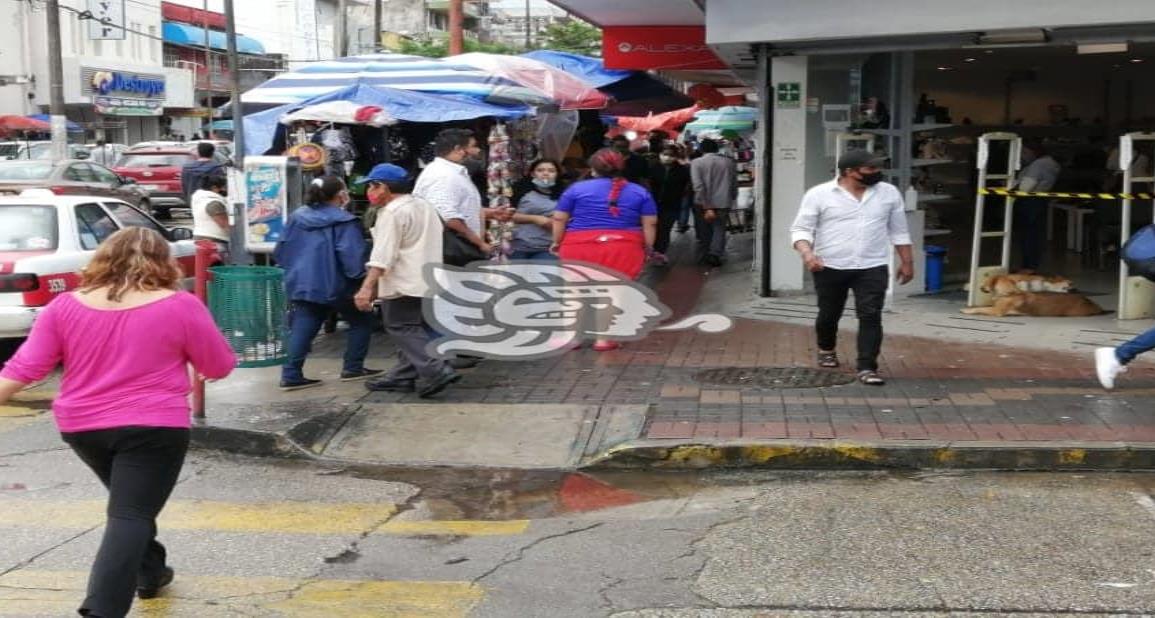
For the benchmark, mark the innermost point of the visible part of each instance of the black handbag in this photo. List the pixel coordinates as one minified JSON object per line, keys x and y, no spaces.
{"x":457,"y":250}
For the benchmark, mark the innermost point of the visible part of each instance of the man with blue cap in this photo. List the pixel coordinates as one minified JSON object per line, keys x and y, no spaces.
{"x":407,"y":235}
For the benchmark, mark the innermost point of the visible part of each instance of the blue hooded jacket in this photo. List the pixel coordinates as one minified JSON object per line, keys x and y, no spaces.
{"x":323,"y":253}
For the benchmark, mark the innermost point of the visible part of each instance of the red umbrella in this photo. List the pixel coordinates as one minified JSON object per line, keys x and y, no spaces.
{"x":23,"y":123}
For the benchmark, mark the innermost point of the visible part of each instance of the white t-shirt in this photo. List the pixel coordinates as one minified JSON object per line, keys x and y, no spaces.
{"x":205,"y":204}
{"x":447,"y":186}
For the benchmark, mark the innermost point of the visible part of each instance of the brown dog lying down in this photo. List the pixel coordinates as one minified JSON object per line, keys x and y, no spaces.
{"x":1000,"y":285}
{"x":1041,"y":304}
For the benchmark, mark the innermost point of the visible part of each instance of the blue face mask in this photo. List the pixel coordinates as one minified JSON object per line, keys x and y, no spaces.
{"x":541,"y":183}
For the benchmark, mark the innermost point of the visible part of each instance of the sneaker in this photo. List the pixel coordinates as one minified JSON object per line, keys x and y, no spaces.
{"x":1108,"y":367}
{"x":350,"y":376}
{"x":395,"y":385}
{"x":149,"y":590}
{"x":439,"y":383}
{"x":296,"y":385}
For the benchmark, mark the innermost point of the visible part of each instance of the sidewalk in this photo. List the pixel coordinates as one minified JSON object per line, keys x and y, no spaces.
{"x":948,"y":401}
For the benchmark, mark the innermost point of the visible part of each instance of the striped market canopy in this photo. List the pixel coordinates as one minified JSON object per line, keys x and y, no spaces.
{"x":414,"y":73}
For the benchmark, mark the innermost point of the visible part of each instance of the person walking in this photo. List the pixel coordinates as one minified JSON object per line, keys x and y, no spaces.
{"x":407,"y":235}
{"x":322,"y":251}
{"x":842,"y":232}
{"x":1030,"y":217}
{"x":670,"y":183}
{"x":635,"y":168}
{"x":1110,"y":362}
{"x":210,"y":214}
{"x":606,"y":220}
{"x":126,"y":338}
{"x":192,"y":173}
{"x":715,"y":181}
{"x":533,"y":233}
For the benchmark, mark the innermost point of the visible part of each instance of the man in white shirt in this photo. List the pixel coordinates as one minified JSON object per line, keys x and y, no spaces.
{"x":445,"y":183}
{"x":1040,"y":174}
{"x":210,"y":214}
{"x":406,"y":237}
{"x":843,"y":232}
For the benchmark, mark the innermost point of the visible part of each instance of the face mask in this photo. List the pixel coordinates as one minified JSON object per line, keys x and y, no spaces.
{"x":543,"y":183}
{"x":666,"y":159}
{"x":871,"y":179}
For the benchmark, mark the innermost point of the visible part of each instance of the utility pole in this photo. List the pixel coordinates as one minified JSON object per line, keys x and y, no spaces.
{"x":376,"y":25}
{"x":208,"y":67}
{"x":528,"y":21}
{"x":238,"y":255}
{"x":56,"y":83}
{"x":341,"y":49}
{"x":456,"y":27}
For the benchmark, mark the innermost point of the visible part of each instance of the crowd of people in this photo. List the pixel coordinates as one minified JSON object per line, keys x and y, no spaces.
{"x":619,"y":214}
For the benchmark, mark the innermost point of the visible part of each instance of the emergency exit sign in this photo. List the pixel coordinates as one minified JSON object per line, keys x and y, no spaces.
{"x":789,"y":94}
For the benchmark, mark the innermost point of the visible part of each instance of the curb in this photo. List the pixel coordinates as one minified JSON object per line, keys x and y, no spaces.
{"x":896,"y":454}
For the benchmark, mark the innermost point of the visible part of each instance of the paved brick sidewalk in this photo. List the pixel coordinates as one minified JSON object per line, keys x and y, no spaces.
{"x":936,"y":390}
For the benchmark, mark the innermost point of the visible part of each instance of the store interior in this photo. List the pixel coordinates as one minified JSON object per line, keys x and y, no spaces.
{"x":1076,"y":105}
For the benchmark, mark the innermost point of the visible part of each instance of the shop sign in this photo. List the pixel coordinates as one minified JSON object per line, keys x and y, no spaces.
{"x":107,"y":20}
{"x":658,"y":47}
{"x":124,"y":93}
{"x":789,"y":95}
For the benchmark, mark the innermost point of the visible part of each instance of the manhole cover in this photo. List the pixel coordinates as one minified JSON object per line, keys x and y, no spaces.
{"x":772,"y":377}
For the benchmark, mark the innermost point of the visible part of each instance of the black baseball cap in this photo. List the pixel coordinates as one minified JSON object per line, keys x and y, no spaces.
{"x":860,"y":158}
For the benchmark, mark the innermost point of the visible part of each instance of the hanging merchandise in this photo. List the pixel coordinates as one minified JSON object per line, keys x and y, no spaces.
{"x":339,"y":145}
{"x":499,"y":178}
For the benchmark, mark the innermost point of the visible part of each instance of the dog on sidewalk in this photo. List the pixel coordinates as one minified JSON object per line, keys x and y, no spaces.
{"x":1011,"y":299}
{"x":1001,"y":285}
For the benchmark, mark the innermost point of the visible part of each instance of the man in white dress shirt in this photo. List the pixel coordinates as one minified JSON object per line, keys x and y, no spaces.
{"x":843,"y":233}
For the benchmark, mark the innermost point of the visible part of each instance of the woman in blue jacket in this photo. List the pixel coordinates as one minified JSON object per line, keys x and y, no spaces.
{"x":323,"y":253}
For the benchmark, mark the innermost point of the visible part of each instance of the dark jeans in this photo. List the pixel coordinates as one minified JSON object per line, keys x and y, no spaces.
{"x":684,"y":211}
{"x":533,"y":255}
{"x":712,"y":234}
{"x":139,"y":466}
{"x":405,"y":325}
{"x":667,"y":217}
{"x":869,"y":285}
{"x":306,"y":319}
{"x":1143,"y":342}
{"x":1029,"y":223}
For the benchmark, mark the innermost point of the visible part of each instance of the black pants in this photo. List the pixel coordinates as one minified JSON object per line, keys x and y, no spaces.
{"x":1028,"y":232}
{"x":667,"y":217}
{"x":139,"y":466}
{"x":406,"y":327}
{"x":869,"y":285}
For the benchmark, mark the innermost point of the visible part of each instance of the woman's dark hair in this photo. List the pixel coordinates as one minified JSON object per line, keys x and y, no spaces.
{"x":449,"y":139}
{"x":609,"y":163}
{"x":323,"y":190}
{"x":400,"y":187}
{"x":213,"y":181}
{"x":525,"y":184}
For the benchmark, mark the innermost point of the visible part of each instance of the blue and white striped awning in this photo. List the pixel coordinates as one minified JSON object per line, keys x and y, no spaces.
{"x":415,"y":73}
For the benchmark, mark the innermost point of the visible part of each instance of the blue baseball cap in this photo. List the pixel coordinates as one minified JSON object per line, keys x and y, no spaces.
{"x":384,"y":172}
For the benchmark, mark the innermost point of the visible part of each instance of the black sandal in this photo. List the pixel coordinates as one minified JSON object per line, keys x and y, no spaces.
{"x":828,"y":360}
{"x":870,"y":377}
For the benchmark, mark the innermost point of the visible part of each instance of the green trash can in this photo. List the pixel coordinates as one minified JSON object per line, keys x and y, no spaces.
{"x":248,"y":304}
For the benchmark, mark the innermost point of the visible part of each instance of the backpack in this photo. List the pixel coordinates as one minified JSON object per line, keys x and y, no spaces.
{"x":1139,"y":253}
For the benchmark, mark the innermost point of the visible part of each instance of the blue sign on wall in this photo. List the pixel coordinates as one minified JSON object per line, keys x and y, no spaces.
{"x":114,"y":82}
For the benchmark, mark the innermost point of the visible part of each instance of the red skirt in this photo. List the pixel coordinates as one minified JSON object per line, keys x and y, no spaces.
{"x":621,"y":250}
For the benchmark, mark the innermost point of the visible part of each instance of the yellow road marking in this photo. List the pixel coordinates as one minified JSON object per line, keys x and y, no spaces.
{"x":58,"y":593}
{"x":265,"y":517}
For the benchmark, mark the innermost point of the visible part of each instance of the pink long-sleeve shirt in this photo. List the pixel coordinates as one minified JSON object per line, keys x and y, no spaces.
{"x":122,"y":367}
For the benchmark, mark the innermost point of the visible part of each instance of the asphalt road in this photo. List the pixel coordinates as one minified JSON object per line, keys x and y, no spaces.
{"x":261,"y":538}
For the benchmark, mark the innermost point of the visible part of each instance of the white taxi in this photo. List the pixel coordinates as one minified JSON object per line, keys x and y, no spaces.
{"x":46,"y":239}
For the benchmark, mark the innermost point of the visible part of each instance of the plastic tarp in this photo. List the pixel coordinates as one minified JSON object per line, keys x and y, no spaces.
{"x":566,"y":90}
{"x":260,"y":128}
{"x":734,"y":118}
{"x":72,"y":126}
{"x":670,"y":122}
{"x":342,"y":112}
{"x":636,"y":93}
{"x":400,"y":71}
{"x":589,"y":70}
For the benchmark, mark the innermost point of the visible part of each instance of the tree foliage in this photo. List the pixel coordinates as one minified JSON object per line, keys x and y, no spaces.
{"x":574,"y":36}
{"x":439,"y":48}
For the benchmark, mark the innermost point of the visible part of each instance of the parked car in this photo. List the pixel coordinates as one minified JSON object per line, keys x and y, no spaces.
{"x":71,"y":177}
{"x":157,"y":170}
{"x":39,"y":150}
{"x":46,"y":239}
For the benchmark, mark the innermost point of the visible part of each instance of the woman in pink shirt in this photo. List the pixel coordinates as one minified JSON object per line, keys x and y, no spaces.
{"x":125,"y":338}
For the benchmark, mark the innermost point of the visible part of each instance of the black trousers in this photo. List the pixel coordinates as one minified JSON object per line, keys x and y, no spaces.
{"x":1028,"y":232}
{"x":139,"y":466}
{"x":869,"y":285}
{"x":667,"y":217}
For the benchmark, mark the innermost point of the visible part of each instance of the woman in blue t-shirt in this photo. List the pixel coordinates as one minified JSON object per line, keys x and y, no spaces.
{"x":533,"y":234}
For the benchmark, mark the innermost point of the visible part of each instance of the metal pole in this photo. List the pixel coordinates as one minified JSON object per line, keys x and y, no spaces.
{"x":56,"y":83}
{"x":341,"y":49}
{"x":208,"y":67}
{"x":376,"y":25}
{"x":763,"y":172}
{"x":528,"y":21}
{"x":237,"y":253}
{"x":456,"y":27}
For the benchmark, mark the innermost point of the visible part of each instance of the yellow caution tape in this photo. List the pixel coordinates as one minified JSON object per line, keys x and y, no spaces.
{"x":1075,"y":196}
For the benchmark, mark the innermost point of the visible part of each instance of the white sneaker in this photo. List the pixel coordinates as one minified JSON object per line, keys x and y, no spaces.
{"x":1107,"y":367}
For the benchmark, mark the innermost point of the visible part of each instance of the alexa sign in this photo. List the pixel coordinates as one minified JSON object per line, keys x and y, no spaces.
{"x":657,"y":47}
